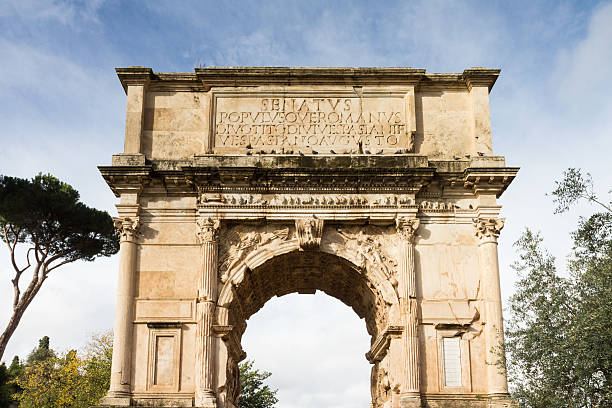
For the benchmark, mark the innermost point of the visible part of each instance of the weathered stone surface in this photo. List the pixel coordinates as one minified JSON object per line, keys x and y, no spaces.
{"x":377,"y":186}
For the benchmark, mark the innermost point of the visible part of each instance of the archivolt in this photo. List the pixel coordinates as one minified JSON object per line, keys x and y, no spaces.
{"x":279,"y":268}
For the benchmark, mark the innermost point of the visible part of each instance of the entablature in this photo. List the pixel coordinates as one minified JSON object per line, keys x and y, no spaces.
{"x":327,"y":180}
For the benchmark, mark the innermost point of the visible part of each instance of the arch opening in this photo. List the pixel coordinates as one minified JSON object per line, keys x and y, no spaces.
{"x":314,"y":341}
{"x":351,"y":264}
{"x":307,"y":272}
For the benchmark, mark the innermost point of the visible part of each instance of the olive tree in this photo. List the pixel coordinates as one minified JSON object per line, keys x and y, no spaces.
{"x":559,"y":336}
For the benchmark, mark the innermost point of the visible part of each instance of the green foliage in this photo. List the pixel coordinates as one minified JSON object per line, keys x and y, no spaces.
{"x":48,"y":214}
{"x":254,"y":394}
{"x":41,"y":353}
{"x":5,"y":391}
{"x":68,"y":380}
{"x":8,"y":384}
{"x":574,"y":187}
{"x":559,"y":336}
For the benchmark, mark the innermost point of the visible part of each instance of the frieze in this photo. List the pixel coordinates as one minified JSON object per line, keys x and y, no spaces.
{"x":313,"y":200}
{"x":437,"y":206}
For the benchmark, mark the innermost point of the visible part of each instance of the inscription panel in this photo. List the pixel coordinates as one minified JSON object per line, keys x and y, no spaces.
{"x":293,"y":123}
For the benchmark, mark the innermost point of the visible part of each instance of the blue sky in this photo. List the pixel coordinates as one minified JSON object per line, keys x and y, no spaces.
{"x":62,"y":111}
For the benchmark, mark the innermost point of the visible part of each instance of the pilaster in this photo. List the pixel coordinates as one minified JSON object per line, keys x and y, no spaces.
{"x":208,"y":234}
{"x":407,"y":228}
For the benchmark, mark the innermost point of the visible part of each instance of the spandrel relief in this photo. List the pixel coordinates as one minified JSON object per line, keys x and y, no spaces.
{"x":372,"y":245}
{"x":373,"y":250}
{"x":238,"y":241}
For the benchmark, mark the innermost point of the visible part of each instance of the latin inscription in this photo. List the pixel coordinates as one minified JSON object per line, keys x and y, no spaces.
{"x":286,"y":124}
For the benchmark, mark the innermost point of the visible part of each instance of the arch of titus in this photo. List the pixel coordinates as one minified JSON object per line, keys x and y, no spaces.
{"x":377,"y":186}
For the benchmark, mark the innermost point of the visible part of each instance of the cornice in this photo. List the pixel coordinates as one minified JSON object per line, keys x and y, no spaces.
{"x":478,"y":76}
{"x":134,"y":76}
{"x":123,"y":179}
{"x":489,"y":180}
{"x":287,"y":76}
{"x":203,"y":79}
{"x":356,"y":174}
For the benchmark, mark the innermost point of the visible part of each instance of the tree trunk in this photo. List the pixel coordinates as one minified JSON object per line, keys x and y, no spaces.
{"x":18,"y":312}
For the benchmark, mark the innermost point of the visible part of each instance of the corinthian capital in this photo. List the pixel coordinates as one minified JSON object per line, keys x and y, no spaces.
{"x":488,"y":228}
{"x":407,"y":228}
{"x":207,"y":229}
{"x":127,"y":227}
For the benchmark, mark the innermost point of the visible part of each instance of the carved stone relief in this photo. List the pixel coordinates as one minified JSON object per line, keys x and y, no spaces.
{"x":309,"y":232}
{"x":312,"y":200}
{"x":238,"y":241}
{"x":382,"y":385}
{"x":488,"y":228}
{"x":371,"y":244}
{"x":127,"y":227}
{"x":437,"y":206}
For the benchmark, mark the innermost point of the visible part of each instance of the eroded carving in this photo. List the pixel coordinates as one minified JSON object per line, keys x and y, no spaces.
{"x":207,"y":229}
{"x":380,"y":385}
{"x":127,"y":227}
{"x":440,"y":206}
{"x":369,"y":244}
{"x":488,"y":227}
{"x":407,"y":227}
{"x":318,"y":200}
{"x":241,"y":240}
{"x":309,"y":232}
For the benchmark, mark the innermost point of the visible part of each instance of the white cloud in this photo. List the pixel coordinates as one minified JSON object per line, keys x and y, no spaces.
{"x":61,"y":11}
{"x":583,"y":71}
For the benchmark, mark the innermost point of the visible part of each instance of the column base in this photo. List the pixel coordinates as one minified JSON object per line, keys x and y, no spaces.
{"x":464,"y":401}
{"x":206,"y":401}
{"x":501,"y":401}
{"x":410,"y":401}
{"x":116,"y":400}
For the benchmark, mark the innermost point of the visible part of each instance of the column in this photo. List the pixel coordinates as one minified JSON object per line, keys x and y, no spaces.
{"x":406,"y":228}
{"x":487,"y":231}
{"x":205,"y":396}
{"x":119,"y":392}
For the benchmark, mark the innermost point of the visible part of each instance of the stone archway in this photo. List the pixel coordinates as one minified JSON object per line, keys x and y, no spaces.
{"x":379,"y":184}
{"x":350,"y":264}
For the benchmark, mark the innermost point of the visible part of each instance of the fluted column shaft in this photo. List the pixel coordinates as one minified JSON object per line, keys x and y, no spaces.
{"x":124,"y":315}
{"x":205,"y":310}
{"x":407,"y":292}
{"x":487,"y":231}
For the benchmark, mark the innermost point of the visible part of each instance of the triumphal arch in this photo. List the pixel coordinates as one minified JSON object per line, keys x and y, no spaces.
{"x":377,"y":186}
